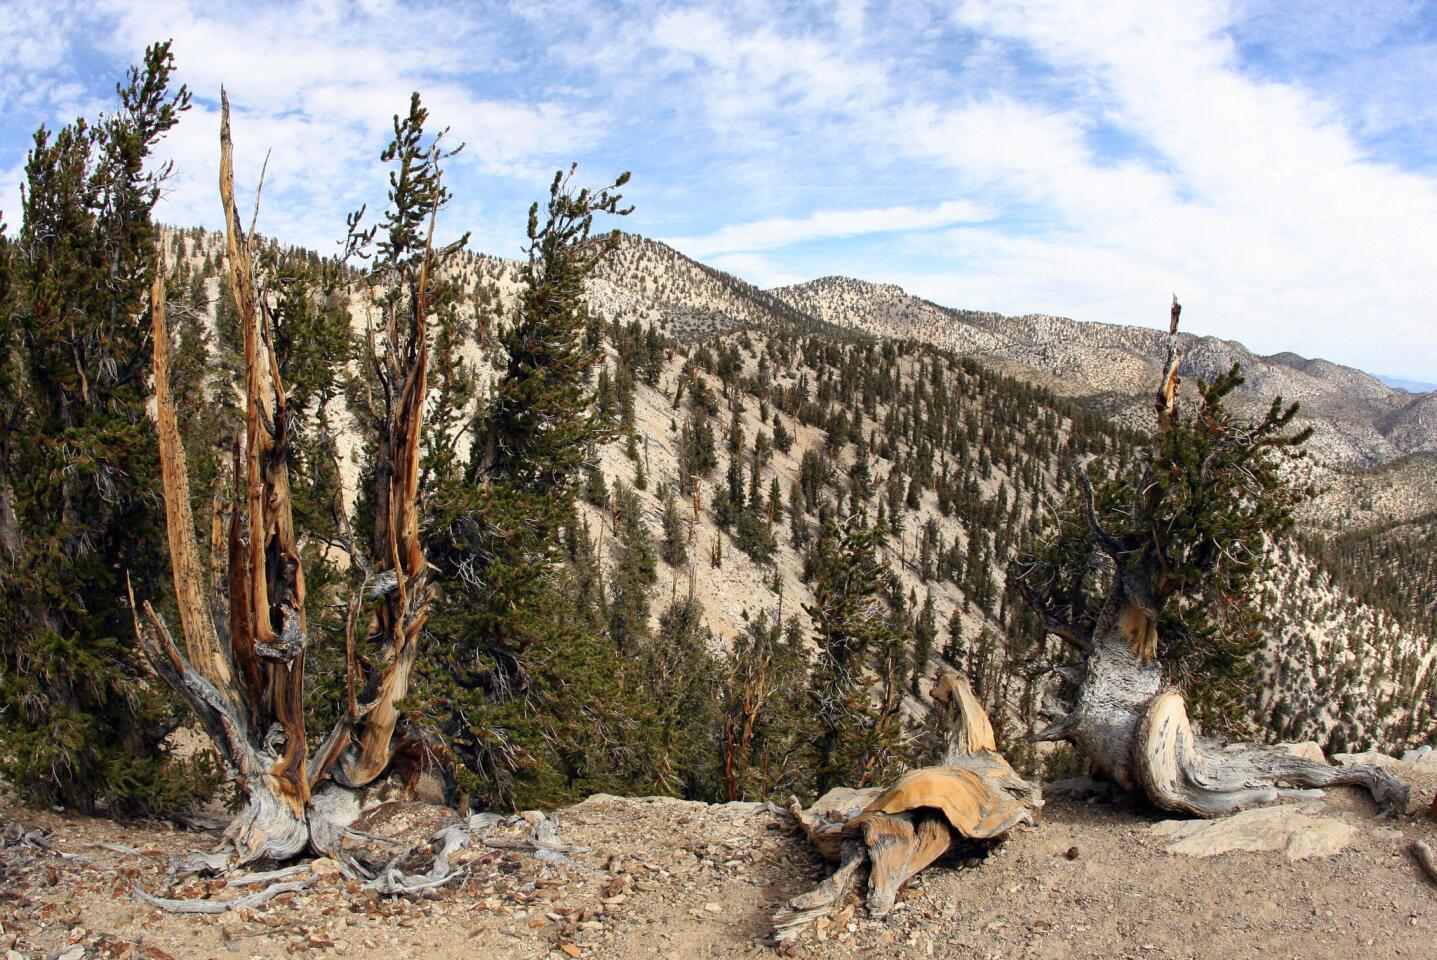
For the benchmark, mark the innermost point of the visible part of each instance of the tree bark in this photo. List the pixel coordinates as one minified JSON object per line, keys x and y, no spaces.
{"x":1135,"y":729}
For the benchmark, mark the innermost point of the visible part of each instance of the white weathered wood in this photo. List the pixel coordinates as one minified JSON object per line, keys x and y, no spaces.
{"x":1137,"y":732}
{"x":220,"y":906}
{"x":906,"y":827}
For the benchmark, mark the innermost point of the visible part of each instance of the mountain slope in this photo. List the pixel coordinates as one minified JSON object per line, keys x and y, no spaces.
{"x":1363,"y":420}
{"x":962,"y":461}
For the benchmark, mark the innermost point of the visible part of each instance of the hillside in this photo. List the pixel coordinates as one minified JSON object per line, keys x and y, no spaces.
{"x":1360,"y":419}
{"x":960,"y":459}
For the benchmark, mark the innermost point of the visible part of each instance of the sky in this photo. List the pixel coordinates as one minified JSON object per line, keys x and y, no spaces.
{"x":1274,"y":164}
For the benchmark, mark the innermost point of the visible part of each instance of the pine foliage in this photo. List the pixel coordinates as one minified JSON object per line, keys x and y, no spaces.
{"x":80,"y":722}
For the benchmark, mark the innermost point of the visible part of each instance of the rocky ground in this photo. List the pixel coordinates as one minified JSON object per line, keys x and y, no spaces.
{"x":666,"y":878}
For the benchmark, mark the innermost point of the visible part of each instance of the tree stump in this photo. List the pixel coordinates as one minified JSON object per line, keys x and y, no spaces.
{"x":899,"y":830}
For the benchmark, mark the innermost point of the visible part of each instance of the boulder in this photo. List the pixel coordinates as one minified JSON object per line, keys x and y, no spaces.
{"x":1307,"y":750}
{"x":1289,"y":829}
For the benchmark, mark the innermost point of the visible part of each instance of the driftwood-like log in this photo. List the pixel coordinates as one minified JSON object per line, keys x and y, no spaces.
{"x":974,"y":795}
{"x":220,"y":906}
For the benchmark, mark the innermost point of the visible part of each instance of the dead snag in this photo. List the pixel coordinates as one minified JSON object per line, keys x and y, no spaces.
{"x":973,"y":795}
{"x":246,"y":681}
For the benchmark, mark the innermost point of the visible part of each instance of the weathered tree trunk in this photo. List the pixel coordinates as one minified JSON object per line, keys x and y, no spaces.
{"x":974,"y":795}
{"x":1135,"y":728}
{"x":246,"y":682}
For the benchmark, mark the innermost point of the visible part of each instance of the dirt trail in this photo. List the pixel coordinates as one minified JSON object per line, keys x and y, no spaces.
{"x":671,"y":879}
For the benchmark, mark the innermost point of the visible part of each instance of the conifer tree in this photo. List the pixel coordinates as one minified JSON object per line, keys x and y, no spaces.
{"x":243,"y":668}
{"x":521,"y":692}
{"x":858,"y":733}
{"x":925,"y":635}
{"x":675,"y":549}
{"x":764,"y":717}
{"x":80,"y":725}
{"x":1181,"y":538}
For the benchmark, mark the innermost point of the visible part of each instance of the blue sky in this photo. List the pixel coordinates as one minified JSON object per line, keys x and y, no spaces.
{"x":1275,"y":164}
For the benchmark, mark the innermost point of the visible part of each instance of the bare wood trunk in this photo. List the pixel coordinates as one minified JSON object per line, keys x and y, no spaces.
{"x":402,"y":615}
{"x":202,"y":643}
{"x":1135,"y":729}
{"x":277,"y":632}
{"x":9,"y":523}
{"x":974,"y":795}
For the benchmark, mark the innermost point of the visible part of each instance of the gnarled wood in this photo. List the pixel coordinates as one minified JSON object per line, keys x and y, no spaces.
{"x":1133,"y":727}
{"x":975,"y":795}
{"x":250,"y":697}
{"x":1425,"y":858}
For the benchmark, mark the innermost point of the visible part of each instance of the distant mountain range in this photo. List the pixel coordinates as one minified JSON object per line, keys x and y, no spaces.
{"x":1411,"y":386}
{"x":1360,"y":419}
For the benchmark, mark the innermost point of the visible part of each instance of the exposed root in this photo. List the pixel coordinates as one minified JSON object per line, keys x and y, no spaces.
{"x":220,"y":906}
{"x":798,"y":914}
{"x":16,"y":834}
{"x":545,"y":846}
{"x":268,"y":876}
{"x":1178,"y":773}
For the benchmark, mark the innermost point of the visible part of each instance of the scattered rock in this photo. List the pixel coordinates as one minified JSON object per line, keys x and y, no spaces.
{"x":1286,"y":828}
{"x":324,"y":866}
{"x":1307,"y":750}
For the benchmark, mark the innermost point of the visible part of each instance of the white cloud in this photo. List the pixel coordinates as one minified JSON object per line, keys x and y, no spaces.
{"x":1055,"y":155}
{"x":1262,"y":210}
{"x":318,"y":84}
{"x":778,"y":232}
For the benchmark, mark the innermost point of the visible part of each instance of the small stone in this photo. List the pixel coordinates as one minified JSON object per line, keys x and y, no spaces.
{"x":324,"y":866}
{"x":571,"y":950}
{"x":1072,"y":853}
{"x":713,"y":908}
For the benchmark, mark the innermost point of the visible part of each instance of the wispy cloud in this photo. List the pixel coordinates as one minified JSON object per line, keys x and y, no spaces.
{"x":777,"y":232}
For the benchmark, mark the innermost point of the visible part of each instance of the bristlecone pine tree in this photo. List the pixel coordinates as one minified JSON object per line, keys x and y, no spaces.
{"x":243,"y":667}
{"x":80,"y":724}
{"x":1182,"y":540}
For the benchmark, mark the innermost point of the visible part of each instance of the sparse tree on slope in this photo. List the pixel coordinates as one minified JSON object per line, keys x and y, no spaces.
{"x":858,"y":734}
